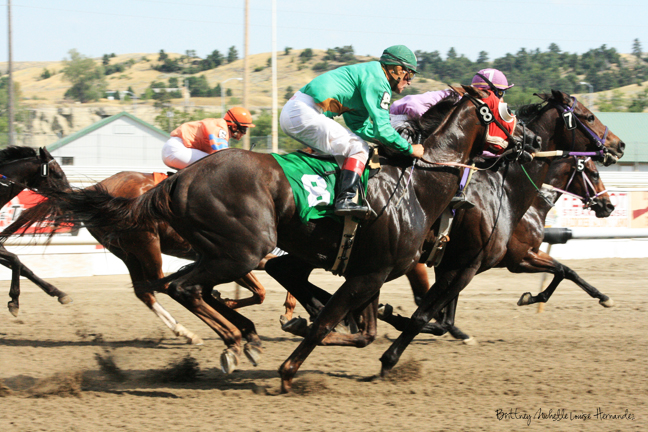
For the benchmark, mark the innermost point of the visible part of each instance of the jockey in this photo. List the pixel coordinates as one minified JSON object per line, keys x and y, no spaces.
{"x":414,"y":106}
{"x":194,"y":140}
{"x":361,"y":93}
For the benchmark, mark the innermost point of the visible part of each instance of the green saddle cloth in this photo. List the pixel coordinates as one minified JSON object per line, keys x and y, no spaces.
{"x":313,"y":184}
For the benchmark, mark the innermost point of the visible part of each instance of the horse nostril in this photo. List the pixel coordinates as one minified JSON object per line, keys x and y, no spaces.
{"x":609,"y":207}
{"x":622,"y":146}
{"x":538,"y":141}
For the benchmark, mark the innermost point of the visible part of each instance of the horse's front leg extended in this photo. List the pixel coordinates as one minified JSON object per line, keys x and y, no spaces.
{"x":354,"y":294}
{"x":447,"y":287}
{"x":253,"y":284}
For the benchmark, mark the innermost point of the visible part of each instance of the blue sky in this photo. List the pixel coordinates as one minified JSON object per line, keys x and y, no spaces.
{"x":45,"y":30}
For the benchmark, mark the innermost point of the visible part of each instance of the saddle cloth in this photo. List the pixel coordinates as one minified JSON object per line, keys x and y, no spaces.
{"x":312,"y":180}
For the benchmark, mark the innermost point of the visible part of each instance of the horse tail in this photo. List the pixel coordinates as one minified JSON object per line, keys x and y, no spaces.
{"x":94,"y":207}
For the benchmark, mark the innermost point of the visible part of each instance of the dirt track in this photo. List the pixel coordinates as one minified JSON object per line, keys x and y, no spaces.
{"x":572,"y":360}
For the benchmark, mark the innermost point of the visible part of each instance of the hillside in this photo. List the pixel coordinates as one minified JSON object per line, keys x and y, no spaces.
{"x":53,"y":117}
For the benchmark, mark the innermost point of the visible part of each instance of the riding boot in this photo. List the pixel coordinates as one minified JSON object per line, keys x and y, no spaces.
{"x":347,"y":188}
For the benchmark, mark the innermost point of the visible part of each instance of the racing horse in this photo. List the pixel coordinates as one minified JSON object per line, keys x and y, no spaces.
{"x":20,"y":168}
{"x":232,"y":232}
{"x":141,"y":251}
{"x":482,"y":234}
{"x":576,"y":176}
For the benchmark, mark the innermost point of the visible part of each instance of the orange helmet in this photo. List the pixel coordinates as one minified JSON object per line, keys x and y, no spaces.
{"x":238,"y":116}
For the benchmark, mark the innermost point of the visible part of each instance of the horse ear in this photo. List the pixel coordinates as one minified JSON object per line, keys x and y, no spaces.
{"x":44,"y":154}
{"x":473,"y":91}
{"x":544,"y":96}
{"x":558,"y":96}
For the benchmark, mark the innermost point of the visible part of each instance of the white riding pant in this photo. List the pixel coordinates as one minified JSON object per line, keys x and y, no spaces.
{"x":302,"y":119}
{"x":176,"y":155}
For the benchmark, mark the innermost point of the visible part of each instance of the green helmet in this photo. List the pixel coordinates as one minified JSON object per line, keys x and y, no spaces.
{"x":399,"y":55}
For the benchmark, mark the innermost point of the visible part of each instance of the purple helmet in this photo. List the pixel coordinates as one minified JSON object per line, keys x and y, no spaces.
{"x":493,"y":75}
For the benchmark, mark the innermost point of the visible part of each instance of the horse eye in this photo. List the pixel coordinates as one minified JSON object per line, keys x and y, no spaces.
{"x":590,"y":118}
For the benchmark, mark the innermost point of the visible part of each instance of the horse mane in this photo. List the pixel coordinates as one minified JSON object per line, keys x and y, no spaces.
{"x":13,"y":153}
{"x":527,"y":111}
{"x":433,"y":117}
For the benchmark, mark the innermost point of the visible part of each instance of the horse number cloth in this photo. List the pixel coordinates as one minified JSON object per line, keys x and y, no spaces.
{"x":313,"y":183}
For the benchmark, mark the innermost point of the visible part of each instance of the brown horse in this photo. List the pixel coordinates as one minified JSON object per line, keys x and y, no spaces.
{"x":20,"y":168}
{"x":232,"y":232}
{"x":482,"y":234}
{"x":576,"y":176}
{"x":141,"y":252}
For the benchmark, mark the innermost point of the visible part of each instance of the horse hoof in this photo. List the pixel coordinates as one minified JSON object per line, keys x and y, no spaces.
{"x":470,"y":341}
{"x":525,"y":299}
{"x":229,"y":361}
{"x":13,"y":309}
{"x":607,"y":303}
{"x":253,"y":353}
{"x":65,"y":299}
{"x":385,"y":311}
{"x":297,"y":326}
{"x":283,"y":320}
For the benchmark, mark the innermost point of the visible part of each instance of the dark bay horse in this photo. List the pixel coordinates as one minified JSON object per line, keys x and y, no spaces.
{"x":141,"y":251}
{"x":523,"y":255}
{"x":502,"y":199}
{"x":577,"y":176}
{"x":24,"y":168}
{"x":232,"y":232}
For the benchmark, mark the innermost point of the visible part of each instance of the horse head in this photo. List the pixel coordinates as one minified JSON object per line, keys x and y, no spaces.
{"x":594,"y":136}
{"x":579,"y":177}
{"x":453,"y":117}
{"x":50,"y":174}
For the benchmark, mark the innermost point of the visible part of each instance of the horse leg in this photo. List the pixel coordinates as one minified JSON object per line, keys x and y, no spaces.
{"x":447,"y":286}
{"x":292,"y":273}
{"x":253,"y":348}
{"x":571,"y":275}
{"x":253,"y":284}
{"x":187,"y":292}
{"x":289,"y":304}
{"x":447,"y":322}
{"x":540,"y":261}
{"x":18,"y":269}
{"x":143,"y":259}
{"x":536,"y":262}
{"x":356,"y":293}
{"x":419,"y":281}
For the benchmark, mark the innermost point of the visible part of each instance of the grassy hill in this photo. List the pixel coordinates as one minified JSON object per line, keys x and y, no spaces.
{"x":292,"y":72}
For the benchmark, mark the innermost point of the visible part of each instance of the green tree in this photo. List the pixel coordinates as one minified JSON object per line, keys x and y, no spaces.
{"x":636,"y":48}
{"x":639,"y":102}
{"x":163,"y":56}
{"x":88,"y":82}
{"x":45,"y":74}
{"x":232,"y":54}
{"x":615,"y":103}
{"x":287,"y":50}
{"x":306,"y":55}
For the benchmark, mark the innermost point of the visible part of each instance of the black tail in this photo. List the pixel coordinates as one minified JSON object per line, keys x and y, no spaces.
{"x":95,"y":207}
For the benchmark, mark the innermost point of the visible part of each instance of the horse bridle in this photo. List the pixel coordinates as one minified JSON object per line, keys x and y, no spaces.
{"x":579,"y":167}
{"x":572,"y":122}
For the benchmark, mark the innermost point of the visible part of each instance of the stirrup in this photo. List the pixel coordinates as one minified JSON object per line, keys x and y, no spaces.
{"x":351,"y":209}
{"x":460,"y":202}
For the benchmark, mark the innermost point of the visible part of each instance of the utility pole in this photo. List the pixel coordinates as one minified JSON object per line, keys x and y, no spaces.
{"x":10,"y":91}
{"x":275,"y":126}
{"x":246,"y":71}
